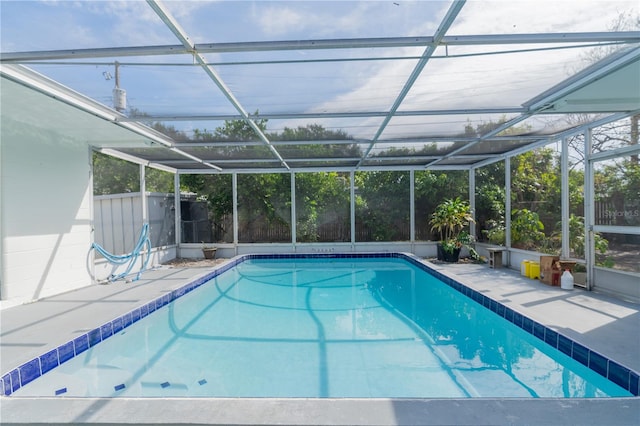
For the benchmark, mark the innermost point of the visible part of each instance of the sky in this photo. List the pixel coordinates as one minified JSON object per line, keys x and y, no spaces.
{"x":505,"y":80}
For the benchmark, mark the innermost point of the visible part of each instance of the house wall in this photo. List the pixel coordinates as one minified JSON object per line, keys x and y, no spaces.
{"x":46,"y":212}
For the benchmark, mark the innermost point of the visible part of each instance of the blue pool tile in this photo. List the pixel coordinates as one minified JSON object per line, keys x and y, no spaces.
{"x":508,"y":314}
{"x":527,"y":325}
{"x":29,"y":371}
{"x":580,"y":354}
{"x":61,"y":391}
{"x":598,"y":363}
{"x":15,"y":379}
{"x":81,"y":343}
{"x":538,"y":330}
{"x":517,"y":319}
{"x":49,"y":360}
{"x":565,"y":345}
{"x":65,"y":352}
{"x":106,"y":330}
{"x":6,"y":384}
{"x":94,"y":337}
{"x":136,"y":314}
{"x":634,"y":384}
{"x":619,"y":375}
{"x":151,"y":306}
{"x":551,"y":337}
{"x":486,"y":302}
{"x":119,"y":387}
{"x":144,"y":311}
{"x":126,"y":319}
{"x":501,"y":310}
{"x":117,"y":324}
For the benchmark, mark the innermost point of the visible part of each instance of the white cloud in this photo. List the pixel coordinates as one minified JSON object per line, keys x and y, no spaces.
{"x":497,"y":80}
{"x":277,"y":21}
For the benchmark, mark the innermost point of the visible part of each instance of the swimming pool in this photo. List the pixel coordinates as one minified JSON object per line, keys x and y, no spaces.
{"x":363,"y":326}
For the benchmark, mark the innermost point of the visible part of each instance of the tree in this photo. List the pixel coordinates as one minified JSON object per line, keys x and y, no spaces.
{"x":382,"y":206}
{"x":322,"y":207}
{"x":615,"y":134}
{"x":430,"y":189}
{"x":114,"y":176}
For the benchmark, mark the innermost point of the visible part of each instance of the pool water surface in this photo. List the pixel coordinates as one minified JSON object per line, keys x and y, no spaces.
{"x":330,"y":327}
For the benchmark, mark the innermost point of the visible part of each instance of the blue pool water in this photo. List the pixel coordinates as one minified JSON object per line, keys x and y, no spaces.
{"x":322,"y":328}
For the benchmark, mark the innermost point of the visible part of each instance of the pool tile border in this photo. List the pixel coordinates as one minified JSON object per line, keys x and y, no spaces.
{"x":34,"y":368}
{"x":611,"y":370}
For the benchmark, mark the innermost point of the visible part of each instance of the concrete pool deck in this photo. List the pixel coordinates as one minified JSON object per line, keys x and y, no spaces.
{"x":604,"y":324}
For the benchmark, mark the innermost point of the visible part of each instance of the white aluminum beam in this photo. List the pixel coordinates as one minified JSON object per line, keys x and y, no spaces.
{"x":507,"y":203}
{"x":489,"y":135}
{"x":136,"y":160}
{"x":609,"y":229}
{"x":593,"y":73}
{"x":446,"y":23}
{"x":324,"y":44}
{"x":565,"y":251}
{"x":589,"y":210}
{"x":177,"y":30}
{"x":344,"y":114}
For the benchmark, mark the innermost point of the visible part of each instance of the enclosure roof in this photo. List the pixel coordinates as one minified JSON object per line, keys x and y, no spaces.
{"x":309,"y":86}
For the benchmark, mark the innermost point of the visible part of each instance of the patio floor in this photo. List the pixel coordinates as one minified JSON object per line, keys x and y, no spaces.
{"x":604,"y":324}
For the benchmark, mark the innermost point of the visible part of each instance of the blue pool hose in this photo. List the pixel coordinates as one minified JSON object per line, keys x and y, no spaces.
{"x":121,"y":259}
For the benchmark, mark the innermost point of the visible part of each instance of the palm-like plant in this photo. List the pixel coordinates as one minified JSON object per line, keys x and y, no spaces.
{"x":449,"y":219}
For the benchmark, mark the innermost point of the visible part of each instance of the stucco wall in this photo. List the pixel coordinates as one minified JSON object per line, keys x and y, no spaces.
{"x":46,"y":212}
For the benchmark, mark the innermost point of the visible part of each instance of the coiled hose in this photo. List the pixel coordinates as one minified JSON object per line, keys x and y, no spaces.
{"x":131,"y":258}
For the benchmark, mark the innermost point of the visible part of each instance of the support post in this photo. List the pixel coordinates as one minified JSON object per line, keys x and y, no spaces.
{"x":564,"y":192}
{"x":177,"y":214}
{"x":589,"y":210}
{"x":294,"y":237}
{"x":352,"y":208}
{"x":234,"y":185}
{"x":145,"y":206}
{"x":472,"y":201}
{"x":412,"y":207}
{"x":507,"y":203}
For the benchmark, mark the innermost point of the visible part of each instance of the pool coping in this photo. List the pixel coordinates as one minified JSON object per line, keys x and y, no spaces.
{"x":20,"y":376}
{"x":321,"y":411}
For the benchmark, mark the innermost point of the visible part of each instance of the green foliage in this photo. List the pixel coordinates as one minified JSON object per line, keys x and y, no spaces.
{"x":233,"y":130}
{"x":577,"y":240}
{"x":449,"y":219}
{"x":490,"y":199}
{"x":114,"y":176}
{"x":620,"y":179}
{"x":382,"y":201}
{"x":263,"y":199}
{"x":322,"y":199}
{"x":526,"y":229}
{"x":430,"y":188}
{"x":158,"y":180}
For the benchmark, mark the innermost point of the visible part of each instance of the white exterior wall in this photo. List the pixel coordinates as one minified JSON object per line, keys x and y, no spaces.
{"x":46,"y":212}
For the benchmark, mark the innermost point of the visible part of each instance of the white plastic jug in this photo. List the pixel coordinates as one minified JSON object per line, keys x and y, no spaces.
{"x":566,"y":280}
